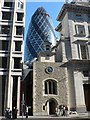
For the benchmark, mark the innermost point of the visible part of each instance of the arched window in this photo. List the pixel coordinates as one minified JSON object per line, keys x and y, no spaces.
{"x":50,"y":87}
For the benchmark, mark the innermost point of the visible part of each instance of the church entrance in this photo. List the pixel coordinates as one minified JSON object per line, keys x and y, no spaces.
{"x":52,"y":106}
{"x":87,"y":96}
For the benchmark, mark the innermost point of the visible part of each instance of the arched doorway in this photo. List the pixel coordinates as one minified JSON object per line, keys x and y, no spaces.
{"x":52,"y":104}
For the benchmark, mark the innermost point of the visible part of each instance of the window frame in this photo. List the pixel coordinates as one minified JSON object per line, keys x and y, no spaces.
{"x":8,"y":4}
{"x":89,"y":18}
{"x":84,"y":52}
{"x":88,"y":30}
{"x":3,"y":62}
{"x":18,"y":45}
{"x":17,"y":18}
{"x":85,"y":73}
{"x":80,"y":31}
{"x":17,"y":30}
{"x":50,"y":87}
{"x":4,"y":44}
{"x":17,"y":63}
{"x":20,"y":5}
{"x":8,"y":15}
{"x":5,"y":27}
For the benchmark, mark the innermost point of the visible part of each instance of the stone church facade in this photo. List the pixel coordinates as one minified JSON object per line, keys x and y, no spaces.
{"x":50,"y":88}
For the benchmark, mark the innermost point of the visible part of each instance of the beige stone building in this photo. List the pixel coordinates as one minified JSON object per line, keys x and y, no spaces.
{"x":12,"y":23}
{"x":74,"y":28}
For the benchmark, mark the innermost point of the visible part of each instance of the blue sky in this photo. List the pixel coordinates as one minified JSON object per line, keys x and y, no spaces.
{"x":53,"y":9}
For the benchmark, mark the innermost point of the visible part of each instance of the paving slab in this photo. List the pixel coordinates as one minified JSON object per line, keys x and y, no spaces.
{"x":51,"y":118}
{"x":81,"y":116}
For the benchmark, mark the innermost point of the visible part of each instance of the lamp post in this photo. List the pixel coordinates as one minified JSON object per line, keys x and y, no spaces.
{"x":23,"y":105}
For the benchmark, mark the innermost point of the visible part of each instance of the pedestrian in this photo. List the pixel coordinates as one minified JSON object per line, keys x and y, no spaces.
{"x":63,"y":114}
{"x":14,"y":113}
{"x":7,"y":113}
{"x":66,"y":110}
{"x":61,"y":110}
{"x":26,"y":111}
{"x":57,"y":111}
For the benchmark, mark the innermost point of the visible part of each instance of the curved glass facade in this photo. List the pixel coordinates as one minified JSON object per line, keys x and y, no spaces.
{"x":40,"y":30}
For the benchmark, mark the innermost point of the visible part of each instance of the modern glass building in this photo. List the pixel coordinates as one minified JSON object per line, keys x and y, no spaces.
{"x":40,"y":31}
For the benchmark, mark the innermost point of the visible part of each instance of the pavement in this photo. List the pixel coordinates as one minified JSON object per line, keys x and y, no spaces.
{"x":80,"y":116}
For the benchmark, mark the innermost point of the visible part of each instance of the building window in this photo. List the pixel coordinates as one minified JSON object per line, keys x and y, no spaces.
{"x":47,"y":47}
{"x":50,"y":87}
{"x":86,"y":73}
{"x":6,"y":15}
{"x":84,"y":51}
{"x":43,"y":107}
{"x":19,"y":16}
{"x":19,"y":30}
{"x":20,"y":4}
{"x":47,"y":57}
{"x":78,"y":17}
{"x":89,"y":30}
{"x":5,"y":29}
{"x":4,"y":45}
{"x":88,"y":18}
{"x":17,"y":63}
{"x":18,"y":46}
{"x":3,"y":62}
{"x":80,"y":30}
{"x":8,"y":4}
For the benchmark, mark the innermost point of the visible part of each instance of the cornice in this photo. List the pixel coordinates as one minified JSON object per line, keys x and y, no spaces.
{"x":73,"y":8}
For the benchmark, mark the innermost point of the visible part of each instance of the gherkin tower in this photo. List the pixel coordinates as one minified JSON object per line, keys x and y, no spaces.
{"x":40,"y":31}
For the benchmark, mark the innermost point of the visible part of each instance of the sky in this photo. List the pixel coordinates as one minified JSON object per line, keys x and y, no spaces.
{"x":53,"y":9}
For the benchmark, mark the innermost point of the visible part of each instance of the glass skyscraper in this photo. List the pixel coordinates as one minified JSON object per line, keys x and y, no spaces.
{"x":39,"y":32}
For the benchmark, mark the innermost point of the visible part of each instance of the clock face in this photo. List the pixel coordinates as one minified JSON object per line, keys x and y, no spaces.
{"x":49,"y":69}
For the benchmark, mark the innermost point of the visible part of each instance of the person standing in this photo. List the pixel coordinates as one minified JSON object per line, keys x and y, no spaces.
{"x":66,"y":110}
{"x":14,"y":113}
{"x":26,"y":111}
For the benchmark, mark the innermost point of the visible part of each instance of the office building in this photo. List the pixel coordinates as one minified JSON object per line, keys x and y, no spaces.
{"x":75,"y":41}
{"x":12,"y":22}
{"x":40,"y":32}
